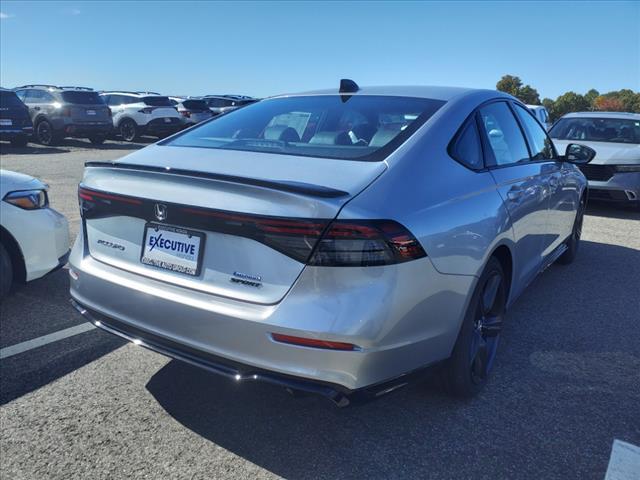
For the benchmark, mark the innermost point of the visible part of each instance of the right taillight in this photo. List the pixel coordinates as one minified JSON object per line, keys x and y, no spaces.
{"x":358,"y":243}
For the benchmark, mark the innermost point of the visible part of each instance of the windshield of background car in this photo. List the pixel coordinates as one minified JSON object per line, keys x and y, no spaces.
{"x":613,"y":130}
{"x":9,"y":99}
{"x":83,"y":98}
{"x":157,"y":101}
{"x":359,"y":127}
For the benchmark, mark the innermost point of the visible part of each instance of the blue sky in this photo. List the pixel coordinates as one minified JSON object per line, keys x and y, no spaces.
{"x":265,"y":48}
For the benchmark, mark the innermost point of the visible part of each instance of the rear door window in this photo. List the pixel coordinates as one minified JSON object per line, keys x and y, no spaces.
{"x":539,"y":143}
{"x":505,"y":138}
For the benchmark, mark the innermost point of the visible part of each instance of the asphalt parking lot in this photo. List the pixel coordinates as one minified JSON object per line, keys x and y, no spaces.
{"x":566,"y":384}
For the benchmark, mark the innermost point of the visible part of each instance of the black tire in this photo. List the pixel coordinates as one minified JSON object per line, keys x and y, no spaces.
{"x":128,"y":130}
{"x":6,"y":272}
{"x":20,"y":141}
{"x":467,"y":370}
{"x":45,"y":134}
{"x":573,"y":242}
{"x":97,"y":139}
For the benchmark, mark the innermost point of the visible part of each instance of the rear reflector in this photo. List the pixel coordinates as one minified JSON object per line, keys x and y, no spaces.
{"x":312,"y":342}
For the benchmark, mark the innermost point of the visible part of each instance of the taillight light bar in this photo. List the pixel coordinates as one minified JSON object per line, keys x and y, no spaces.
{"x":316,"y":242}
{"x":93,"y":195}
{"x":314,"y":343}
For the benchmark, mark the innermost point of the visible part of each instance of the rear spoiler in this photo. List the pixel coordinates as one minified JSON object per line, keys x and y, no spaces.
{"x":302,"y":188}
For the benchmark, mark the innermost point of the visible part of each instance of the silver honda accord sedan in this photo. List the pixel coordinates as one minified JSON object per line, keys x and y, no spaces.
{"x":339,"y":242}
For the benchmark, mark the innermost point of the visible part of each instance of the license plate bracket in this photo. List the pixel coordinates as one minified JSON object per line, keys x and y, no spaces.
{"x":172,"y":248}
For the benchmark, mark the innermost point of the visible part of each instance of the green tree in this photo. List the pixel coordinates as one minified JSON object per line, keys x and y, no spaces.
{"x":509,"y":84}
{"x":512,"y":85}
{"x":529,"y":95}
{"x":569,"y":102}
{"x":591,"y":96}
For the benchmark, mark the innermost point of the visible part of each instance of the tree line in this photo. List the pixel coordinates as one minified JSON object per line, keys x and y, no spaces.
{"x":624,"y":100}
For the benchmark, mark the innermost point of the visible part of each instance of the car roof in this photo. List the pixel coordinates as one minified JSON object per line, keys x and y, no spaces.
{"x":618,"y":115}
{"x":535,"y":107}
{"x":52,"y":88}
{"x":133,"y":94}
{"x":432,"y":92}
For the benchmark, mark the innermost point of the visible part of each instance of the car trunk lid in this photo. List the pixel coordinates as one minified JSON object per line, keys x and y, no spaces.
{"x":247,"y":222}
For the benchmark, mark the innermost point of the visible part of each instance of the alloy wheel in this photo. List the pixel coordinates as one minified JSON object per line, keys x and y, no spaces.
{"x":45,"y":135}
{"x":487,"y":327}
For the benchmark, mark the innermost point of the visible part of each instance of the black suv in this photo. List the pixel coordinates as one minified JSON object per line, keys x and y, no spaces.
{"x":59,"y":112}
{"x":15,"y":124}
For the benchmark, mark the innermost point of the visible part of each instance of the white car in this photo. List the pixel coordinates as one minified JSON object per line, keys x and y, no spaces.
{"x":193,"y":110}
{"x":34,"y":238}
{"x":142,"y":113}
{"x":541,"y":114}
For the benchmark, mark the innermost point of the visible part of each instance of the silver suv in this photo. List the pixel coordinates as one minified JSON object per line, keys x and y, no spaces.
{"x":59,"y":112}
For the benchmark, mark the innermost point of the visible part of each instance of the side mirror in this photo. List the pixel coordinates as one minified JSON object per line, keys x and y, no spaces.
{"x":579,"y":154}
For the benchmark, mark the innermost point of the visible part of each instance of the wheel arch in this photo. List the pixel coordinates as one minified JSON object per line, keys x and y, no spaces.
{"x":15,"y":253}
{"x":125,"y":118}
{"x":504,"y":255}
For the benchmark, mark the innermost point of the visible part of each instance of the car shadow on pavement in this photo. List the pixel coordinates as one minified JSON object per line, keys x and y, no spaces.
{"x":30,"y":149}
{"x":603,"y":209}
{"x":564,"y":379}
{"x":113,"y":144}
{"x":36,"y":309}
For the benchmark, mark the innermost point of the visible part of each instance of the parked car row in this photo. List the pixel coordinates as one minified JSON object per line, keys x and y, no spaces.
{"x":56,"y":112}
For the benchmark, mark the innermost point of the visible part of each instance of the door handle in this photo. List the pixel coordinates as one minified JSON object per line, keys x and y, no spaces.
{"x":515,"y":194}
{"x":36,"y":108}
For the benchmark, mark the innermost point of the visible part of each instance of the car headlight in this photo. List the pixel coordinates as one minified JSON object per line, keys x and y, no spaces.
{"x":627,"y":168}
{"x":28,"y":199}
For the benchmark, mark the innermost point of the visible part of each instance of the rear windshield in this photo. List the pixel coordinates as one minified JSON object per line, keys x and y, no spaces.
{"x":613,"y":130}
{"x":195,"y":105}
{"x":84,"y":98}
{"x":157,"y":101}
{"x":9,"y":99}
{"x":220,"y":102}
{"x":359,"y":127}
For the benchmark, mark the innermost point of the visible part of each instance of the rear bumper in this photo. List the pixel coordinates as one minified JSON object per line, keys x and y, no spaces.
{"x":8,"y":133}
{"x":239,"y":372}
{"x":78,"y":129}
{"x":402,"y":318}
{"x":621,"y":187}
{"x":159,"y":127}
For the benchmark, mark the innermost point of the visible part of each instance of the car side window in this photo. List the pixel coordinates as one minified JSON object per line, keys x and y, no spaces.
{"x":466,"y":147}
{"x":46,"y":97}
{"x":21,"y":94}
{"x":32,"y":96}
{"x":504,"y":135}
{"x":127,"y":100}
{"x":539,"y":141}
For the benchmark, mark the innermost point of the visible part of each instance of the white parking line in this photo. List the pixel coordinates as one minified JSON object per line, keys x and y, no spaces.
{"x":624,"y":463}
{"x":44,"y":340}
